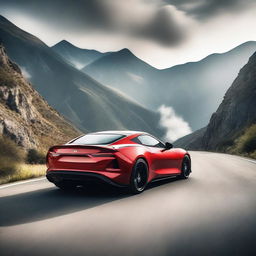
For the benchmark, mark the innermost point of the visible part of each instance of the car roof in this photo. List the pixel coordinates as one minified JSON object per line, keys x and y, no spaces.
{"x":121,"y":132}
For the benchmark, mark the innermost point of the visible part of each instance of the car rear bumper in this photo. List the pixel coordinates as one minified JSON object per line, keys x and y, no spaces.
{"x":80,"y":178}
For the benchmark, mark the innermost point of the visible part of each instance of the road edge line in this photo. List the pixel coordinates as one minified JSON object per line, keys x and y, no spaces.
{"x":21,"y":182}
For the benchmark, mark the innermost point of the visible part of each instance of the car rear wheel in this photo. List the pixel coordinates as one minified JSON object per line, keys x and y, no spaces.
{"x":186,"y":167}
{"x":139,"y":177}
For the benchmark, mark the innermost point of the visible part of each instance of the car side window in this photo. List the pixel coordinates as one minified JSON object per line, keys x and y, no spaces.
{"x":149,"y":141}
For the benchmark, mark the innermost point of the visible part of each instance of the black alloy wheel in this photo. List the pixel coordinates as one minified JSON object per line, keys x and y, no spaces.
{"x":139,"y":177}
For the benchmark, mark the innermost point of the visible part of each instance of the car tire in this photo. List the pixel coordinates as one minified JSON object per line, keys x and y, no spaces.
{"x":186,"y":167}
{"x":139,"y":177}
{"x":65,"y":185}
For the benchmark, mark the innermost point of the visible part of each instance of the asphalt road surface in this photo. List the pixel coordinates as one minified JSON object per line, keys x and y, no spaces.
{"x":211,"y":213}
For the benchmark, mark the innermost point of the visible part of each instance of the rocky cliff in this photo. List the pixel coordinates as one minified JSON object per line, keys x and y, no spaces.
{"x":235,"y":115}
{"x":25,"y":116}
{"x":236,"y":112}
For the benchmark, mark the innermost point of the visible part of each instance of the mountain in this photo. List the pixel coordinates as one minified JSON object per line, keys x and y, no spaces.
{"x":76,"y":56}
{"x":193,"y":89}
{"x":232,"y":128}
{"x":89,"y":105}
{"x":25,"y":117}
{"x":127,"y":73}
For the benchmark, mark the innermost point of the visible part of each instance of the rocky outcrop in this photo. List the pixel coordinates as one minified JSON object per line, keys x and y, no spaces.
{"x":18,"y":102}
{"x":236,"y":113}
{"x":6,"y":62}
{"x":25,"y":117}
{"x":18,"y":133}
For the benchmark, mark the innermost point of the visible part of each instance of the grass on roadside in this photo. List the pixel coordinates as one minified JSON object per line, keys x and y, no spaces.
{"x":18,"y":164}
{"x":245,"y":145}
{"x":23,"y":172}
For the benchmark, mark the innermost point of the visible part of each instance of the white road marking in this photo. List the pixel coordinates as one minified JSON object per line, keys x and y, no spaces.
{"x":21,"y":182}
{"x":246,"y":159}
{"x":252,"y":161}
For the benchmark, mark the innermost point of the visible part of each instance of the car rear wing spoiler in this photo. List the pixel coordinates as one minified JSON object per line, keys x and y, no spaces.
{"x":103,"y":149}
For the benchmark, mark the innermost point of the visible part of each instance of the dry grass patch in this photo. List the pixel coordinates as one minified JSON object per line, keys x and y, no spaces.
{"x":23,"y":172}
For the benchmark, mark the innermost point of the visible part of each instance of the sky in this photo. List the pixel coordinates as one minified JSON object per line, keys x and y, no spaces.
{"x":163,"y":33}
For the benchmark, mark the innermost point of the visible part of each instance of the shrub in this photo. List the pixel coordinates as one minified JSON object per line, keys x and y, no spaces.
{"x":35,"y":157}
{"x":249,"y":144}
{"x":246,"y":144}
{"x":11,"y":155}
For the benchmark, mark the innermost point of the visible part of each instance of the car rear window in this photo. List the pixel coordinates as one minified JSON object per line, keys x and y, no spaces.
{"x":97,"y":139}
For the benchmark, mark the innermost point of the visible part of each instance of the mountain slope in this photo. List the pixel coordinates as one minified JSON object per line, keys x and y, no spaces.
{"x":76,"y":56}
{"x":192,"y":141}
{"x":193,"y":89}
{"x":25,"y":117}
{"x":88,"y":104}
{"x":235,"y":119}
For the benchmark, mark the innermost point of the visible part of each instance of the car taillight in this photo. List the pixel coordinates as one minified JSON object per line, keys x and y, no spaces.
{"x":50,"y":155}
{"x":53,"y":154}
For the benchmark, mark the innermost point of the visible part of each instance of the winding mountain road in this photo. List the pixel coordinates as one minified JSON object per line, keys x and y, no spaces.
{"x":211,"y":213}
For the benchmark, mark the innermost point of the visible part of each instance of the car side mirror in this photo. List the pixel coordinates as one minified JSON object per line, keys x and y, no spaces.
{"x":168,"y":146}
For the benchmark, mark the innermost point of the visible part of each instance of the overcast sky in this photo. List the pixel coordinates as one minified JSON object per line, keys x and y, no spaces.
{"x":161,"y":32}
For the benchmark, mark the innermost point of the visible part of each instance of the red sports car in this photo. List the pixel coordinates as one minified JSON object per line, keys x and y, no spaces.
{"x":120,"y":158}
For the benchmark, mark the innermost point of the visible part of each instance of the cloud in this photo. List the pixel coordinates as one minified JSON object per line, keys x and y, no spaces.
{"x":164,"y":27}
{"x":203,"y":9}
{"x":25,"y":72}
{"x":146,"y":19}
{"x":162,"y":33}
{"x":175,"y":126}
